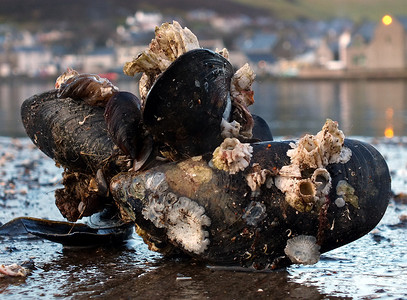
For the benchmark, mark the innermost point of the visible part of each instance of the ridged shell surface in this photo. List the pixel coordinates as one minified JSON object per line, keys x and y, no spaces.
{"x":184,"y":107}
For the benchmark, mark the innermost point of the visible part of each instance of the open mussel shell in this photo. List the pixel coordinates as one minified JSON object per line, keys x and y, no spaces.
{"x":185,"y":106}
{"x":69,"y":131}
{"x":214,"y":216}
{"x":77,"y":234}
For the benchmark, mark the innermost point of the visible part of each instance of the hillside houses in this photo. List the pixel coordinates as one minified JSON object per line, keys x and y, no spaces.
{"x":368,"y":47}
{"x":382,"y":46}
{"x":274,"y":48}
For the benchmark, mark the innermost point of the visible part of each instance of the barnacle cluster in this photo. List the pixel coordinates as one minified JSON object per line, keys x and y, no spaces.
{"x":182,"y":217}
{"x":306,"y":182}
{"x":232,"y":156}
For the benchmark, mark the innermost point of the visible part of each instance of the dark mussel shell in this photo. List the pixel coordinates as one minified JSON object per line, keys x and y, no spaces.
{"x":124,"y":122}
{"x":261,"y":131}
{"x":70,"y":132}
{"x":236,"y":228}
{"x":185,"y":106}
{"x":125,"y":126}
{"x":74,"y":234}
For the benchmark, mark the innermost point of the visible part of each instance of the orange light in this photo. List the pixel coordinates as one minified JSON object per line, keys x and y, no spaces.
{"x":387,"y":20}
{"x":388,"y":132}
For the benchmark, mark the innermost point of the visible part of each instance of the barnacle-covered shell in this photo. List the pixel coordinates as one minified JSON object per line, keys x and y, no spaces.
{"x":91,"y":88}
{"x":251,"y":231}
{"x":184,"y":108}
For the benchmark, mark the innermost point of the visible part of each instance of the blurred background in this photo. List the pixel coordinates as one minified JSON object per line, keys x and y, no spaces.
{"x":314,"y":59}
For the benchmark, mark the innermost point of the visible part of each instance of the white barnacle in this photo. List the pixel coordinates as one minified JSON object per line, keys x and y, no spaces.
{"x":184,"y":221}
{"x":155,"y":211}
{"x":229,"y":130}
{"x":320,"y":150}
{"x":156,"y":182}
{"x":302,"y":249}
{"x":331,"y":141}
{"x":170,"y":42}
{"x":339,"y":202}
{"x":257,"y":178}
{"x":232,"y":156}
{"x":241,"y":85}
{"x":322,"y":181}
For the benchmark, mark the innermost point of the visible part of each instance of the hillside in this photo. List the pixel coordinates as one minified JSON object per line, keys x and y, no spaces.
{"x":356,"y":10}
{"x":35,"y":12}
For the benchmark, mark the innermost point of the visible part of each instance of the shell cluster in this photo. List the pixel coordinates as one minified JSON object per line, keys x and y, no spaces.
{"x":200,"y":183}
{"x":170,"y":44}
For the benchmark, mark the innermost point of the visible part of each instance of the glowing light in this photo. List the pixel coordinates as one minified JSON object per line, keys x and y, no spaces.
{"x":387,"y":20}
{"x":388,"y":132}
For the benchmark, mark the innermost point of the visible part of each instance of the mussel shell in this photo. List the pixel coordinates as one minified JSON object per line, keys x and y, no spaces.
{"x":124,"y":122}
{"x":69,"y":131}
{"x":261,"y":131}
{"x":78,"y":234}
{"x":238,"y":238}
{"x":184,"y":107}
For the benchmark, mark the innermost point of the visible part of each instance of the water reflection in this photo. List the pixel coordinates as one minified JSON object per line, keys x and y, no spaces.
{"x":361,"y":107}
{"x":291,"y":107}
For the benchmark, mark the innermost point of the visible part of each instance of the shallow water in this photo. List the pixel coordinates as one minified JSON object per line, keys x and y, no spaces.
{"x":374,"y":266}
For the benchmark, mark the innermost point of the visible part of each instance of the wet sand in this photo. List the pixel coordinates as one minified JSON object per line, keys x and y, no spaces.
{"x":374,"y":266}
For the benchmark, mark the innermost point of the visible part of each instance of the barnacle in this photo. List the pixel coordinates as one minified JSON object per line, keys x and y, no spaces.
{"x":241,"y":85}
{"x":185,"y":220}
{"x":232,"y":156}
{"x":257,"y":178}
{"x":302,"y":249}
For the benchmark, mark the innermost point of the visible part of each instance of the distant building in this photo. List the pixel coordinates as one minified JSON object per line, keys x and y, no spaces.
{"x":379,"y":46}
{"x":32,"y":61}
{"x":99,"y":61}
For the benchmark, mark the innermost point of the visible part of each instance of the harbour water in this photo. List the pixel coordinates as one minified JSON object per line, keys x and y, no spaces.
{"x":372,"y":267}
{"x":291,"y":107}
